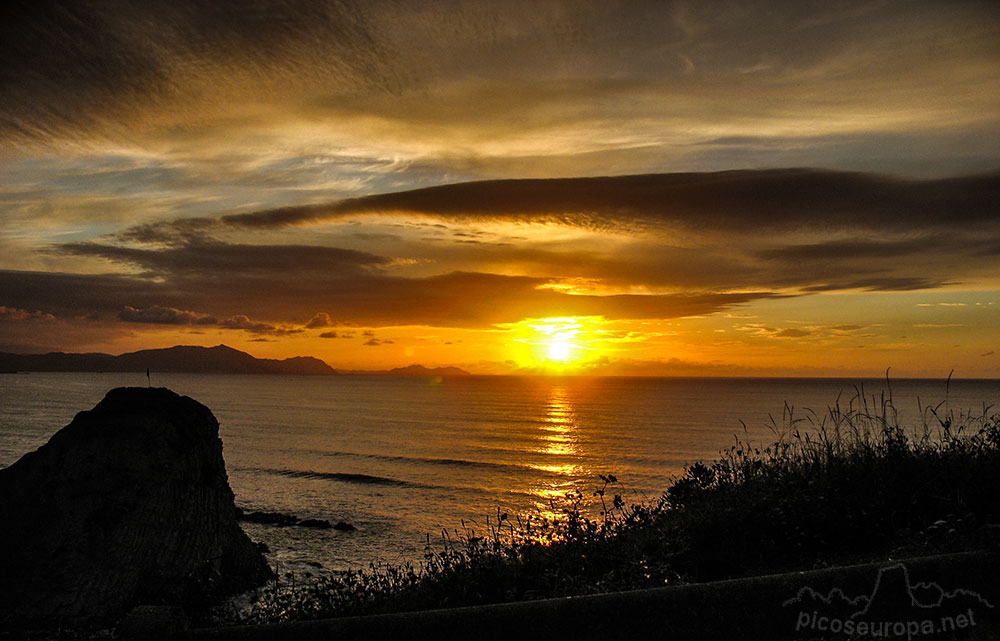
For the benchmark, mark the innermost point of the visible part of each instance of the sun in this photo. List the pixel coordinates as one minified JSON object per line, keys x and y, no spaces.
{"x":560,"y":350}
{"x":557,"y":345}
{"x":558,"y":340}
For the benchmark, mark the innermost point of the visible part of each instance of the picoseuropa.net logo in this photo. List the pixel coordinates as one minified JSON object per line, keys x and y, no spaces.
{"x":895,"y":609}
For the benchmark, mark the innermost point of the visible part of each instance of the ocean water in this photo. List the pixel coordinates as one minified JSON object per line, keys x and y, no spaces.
{"x":403,"y":459}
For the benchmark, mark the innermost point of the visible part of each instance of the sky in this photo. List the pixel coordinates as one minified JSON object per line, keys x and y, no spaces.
{"x":609,"y":188}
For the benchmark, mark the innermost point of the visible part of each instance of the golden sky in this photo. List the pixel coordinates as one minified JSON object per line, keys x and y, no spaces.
{"x":654,"y":188}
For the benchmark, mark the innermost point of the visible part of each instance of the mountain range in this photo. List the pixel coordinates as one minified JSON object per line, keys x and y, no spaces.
{"x":220,"y":359}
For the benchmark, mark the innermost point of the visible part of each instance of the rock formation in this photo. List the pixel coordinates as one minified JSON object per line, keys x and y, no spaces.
{"x":129,"y":504}
{"x":283,"y":520}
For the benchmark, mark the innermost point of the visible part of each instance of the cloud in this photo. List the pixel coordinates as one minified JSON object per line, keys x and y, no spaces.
{"x":854,"y":249}
{"x":117,"y":60}
{"x":671,"y":367}
{"x":71,"y":295}
{"x":456,"y":299}
{"x":882,"y":284}
{"x":814,"y":331}
{"x":321,"y":319}
{"x":329,"y":335}
{"x":243,"y":322}
{"x":206,"y":257}
{"x":744,"y":201}
{"x":164,"y":316}
{"x":644,"y":272}
{"x":16,"y":314}
{"x":793,"y":332}
{"x":157,"y":315}
{"x":693,"y":232}
{"x":418,"y":93}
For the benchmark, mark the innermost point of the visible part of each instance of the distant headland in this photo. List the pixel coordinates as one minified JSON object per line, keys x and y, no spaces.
{"x":411,"y":370}
{"x":220,"y":359}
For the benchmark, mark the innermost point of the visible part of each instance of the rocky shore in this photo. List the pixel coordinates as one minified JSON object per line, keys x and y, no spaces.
{"x":127,"y":505}
{"x":284,"y":520}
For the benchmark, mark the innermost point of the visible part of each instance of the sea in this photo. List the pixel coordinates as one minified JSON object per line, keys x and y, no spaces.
{"x":413,"y":461}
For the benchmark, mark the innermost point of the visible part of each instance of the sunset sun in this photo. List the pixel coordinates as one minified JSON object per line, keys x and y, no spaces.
{"x":560,"y":350}
{"x":558,"y":344}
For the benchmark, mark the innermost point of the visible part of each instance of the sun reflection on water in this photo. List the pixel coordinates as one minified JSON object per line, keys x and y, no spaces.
{"x":558,"y":444}
{"x":559,"y":429}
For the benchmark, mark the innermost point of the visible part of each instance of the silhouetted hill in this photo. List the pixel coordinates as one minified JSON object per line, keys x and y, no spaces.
{"x":220,"y":359}
{"x":411,"y":370}
{"x":420,"y":370}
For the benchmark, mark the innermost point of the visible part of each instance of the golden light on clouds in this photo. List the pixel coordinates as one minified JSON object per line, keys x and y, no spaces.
{"x":581,"y":188}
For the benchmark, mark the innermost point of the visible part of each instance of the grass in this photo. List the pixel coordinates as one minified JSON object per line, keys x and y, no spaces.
{"x":848,"y":485}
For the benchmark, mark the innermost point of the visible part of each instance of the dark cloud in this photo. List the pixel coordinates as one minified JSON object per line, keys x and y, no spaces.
{"x":208,"y":257}
{"x":321,"y":319}
{"x":482,"y":88}
{"x":885,"y":284}
{"x":279,"y":285}
{"x":275,"y":284}
{"x":16,"y":314}
{"x":243,"y":322}
{"x":87,"y":64}
{"x":176,"y":232}
{"x":751,"y":224}
{"x":859,"y":249}
{"x":771,"y":200}
{"x":778,"y":200}
{"x":72,"y":295}
{"x":164,"y":316}
{"x":329,"y":335}
{"x":157,"y":315}
{"x":458,"y":299}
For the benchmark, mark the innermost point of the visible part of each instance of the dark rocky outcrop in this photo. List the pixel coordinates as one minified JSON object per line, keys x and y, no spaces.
{"x":283,"y":520}
{"x":319,"y":524}
{"x":129,"y":504}
{"x":267,"y":518}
